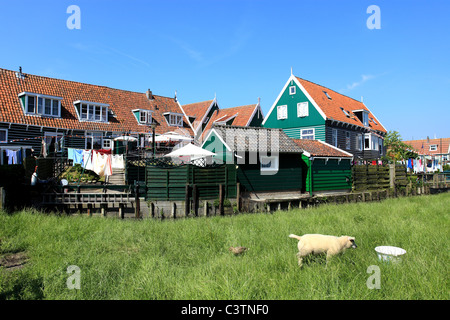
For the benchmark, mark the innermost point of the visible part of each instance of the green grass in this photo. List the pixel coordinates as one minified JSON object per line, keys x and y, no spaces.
{"x":189,"y":258}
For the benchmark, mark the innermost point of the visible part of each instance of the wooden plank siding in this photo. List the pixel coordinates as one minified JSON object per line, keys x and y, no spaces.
{"x":170,"y":183}
{"x":322,"y":175}
{"x":288,"y":177}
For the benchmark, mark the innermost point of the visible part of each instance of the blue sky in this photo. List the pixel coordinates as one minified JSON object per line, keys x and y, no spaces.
{"x":244,"y":50}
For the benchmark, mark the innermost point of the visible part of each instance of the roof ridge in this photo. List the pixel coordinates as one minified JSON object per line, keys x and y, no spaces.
{"x":79,"y":82}
{"x":330,"y":89}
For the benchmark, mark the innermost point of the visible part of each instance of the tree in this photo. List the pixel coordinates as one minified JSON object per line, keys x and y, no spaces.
{"x":396,"y":149}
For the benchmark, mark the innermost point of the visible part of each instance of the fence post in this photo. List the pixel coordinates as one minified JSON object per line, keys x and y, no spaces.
{"x":221,"y":197}
{"x":137,"y":203}
{"x":392,"y":175}
{"x":186,"y":201}
{"x":238,"y":192}
{"x":195,"y":199}
{"x":2,"y":198}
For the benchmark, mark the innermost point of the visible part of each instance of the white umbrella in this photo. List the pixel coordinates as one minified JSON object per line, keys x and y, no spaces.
{"x":190,"y":150}
{"x":125,"y":138}
{"x":171,"y":137}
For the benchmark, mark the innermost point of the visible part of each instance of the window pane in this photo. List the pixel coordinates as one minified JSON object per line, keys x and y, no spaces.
{"x":48,"y":106}
{"x":143,"y":116}
{"x":40,"y":106}
{"x":55,"y":108}
{"x":91,"y":112}
{"x":98,"y":111}
{"x":83,"y":111}
{"x":31,"y":104}
{"x":104,"y":115}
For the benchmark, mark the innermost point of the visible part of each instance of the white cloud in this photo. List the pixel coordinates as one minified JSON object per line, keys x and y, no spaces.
{"x":364,"y":78}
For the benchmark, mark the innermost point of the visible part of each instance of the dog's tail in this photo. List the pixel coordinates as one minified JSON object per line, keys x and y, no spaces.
{"x":295,"y":237}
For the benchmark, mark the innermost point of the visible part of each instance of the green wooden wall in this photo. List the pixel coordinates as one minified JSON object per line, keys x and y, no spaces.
{"x":293,"y":123}
{"x":170,"y":183}
{"x":319,"y":175}
{"x":288,"y":177}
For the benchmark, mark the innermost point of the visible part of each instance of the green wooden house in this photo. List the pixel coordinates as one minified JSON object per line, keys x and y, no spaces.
{"x":325,"y":167}
{"x":266,"y":159}
{"x":306,"y":110}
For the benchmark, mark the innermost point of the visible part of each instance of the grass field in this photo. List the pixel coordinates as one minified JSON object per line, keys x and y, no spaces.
{"x":189,"y":258}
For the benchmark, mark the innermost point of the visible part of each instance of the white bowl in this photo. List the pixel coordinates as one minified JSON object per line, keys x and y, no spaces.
{"x":389,"y":253}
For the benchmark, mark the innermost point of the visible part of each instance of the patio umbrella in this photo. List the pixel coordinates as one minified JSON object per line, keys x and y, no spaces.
{"x":190,"y":150}
{"x":125,"y":138}
{"x":171,"y":137}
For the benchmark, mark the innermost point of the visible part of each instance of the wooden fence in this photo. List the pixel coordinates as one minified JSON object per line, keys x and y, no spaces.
{"x":172,"y":184}
{"x":376,"y":177}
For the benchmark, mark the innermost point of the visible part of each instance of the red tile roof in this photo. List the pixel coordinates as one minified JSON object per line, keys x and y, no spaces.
{"x":332,"y":107}
{"x":121,"y":102}
{"x":197,"y":110}
{"x":317,"y":148}
{"x":242,"y":116}
{"x":442,"y":145}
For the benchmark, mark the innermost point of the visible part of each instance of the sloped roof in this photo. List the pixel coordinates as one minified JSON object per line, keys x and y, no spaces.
{"x":332,"y":107}
{"x":256,"y":139}
{"x":317,"y":148}
{"x":197,"y":110}
{"x":442,"y":144}
{"x":121,"y":102}
{"x":241,"y":116}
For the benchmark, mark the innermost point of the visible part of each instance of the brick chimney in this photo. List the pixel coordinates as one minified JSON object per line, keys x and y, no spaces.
{"x":149,"y":94}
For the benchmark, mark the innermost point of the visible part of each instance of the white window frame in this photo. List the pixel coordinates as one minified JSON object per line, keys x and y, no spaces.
{"x":307,"y":135}
{"x":58,"y":136}
{"x":302,"y":109}
{"x":41,"y":111}
{"x":282,"y":112}
{"x":360,"y":142}
{"x":334,"y":137}
{"x":274,"y":161}
{"x":91,"y":110}
{"x":106,"y":143}
{"x":6,"y":136}
{"x":90,"y":135}
{"x":365,"y":117}
{"x":292,"y":92}
{"x":174,"y":119}
{"x":433,"y":147}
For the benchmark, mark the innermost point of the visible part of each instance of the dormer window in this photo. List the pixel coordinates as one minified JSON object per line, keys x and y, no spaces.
{"x":91,"y":111}
{"x":40,"y":104}
{"x":174,"y":119}
{"x":143,"y":116}
{"x":363,"y":116}
{"x":433,"y":147}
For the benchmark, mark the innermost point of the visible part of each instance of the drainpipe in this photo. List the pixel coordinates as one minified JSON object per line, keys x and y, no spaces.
{"x":311,"y":161}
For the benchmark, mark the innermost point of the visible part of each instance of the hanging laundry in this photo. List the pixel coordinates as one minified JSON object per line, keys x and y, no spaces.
{"x":70,"y":153}
{"x":78,"y":156}
{"x":117,"y":161}
{"x":102,"y":164}
{"x":87,"y":160}
{"x":410,"y":163}
{"x":108,"y":166}
{"x":104,"y":151}
{"x":12,"y":156}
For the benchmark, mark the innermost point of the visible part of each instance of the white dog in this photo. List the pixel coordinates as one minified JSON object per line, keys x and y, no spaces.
{"x":318,"y":243}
